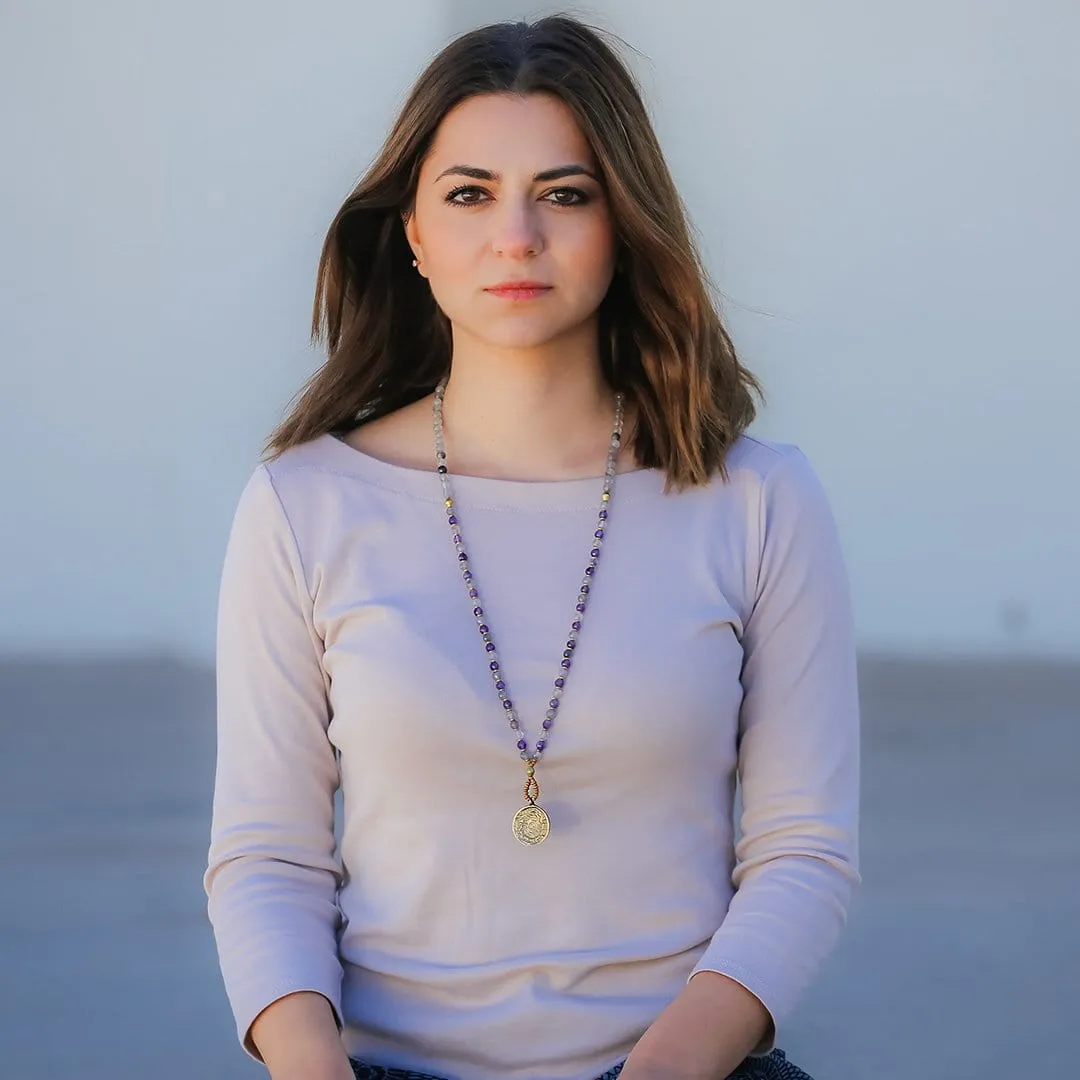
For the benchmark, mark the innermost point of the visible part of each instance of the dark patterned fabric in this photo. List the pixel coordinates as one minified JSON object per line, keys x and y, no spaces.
{"x":774,"y":1066}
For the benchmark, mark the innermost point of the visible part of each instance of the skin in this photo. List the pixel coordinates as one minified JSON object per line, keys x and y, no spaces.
{"x":526,"y":400}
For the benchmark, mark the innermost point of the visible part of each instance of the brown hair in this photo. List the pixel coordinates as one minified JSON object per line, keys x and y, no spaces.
{"x":661,"y":339}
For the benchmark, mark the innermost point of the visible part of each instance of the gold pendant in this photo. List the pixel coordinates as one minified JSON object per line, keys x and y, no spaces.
{"x":531,"y":825}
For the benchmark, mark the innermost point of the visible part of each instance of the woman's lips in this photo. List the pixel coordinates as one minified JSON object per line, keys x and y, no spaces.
{"x":524,"y":290}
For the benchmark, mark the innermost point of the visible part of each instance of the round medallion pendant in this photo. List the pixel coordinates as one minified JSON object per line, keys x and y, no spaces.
{"x":531,"y":825}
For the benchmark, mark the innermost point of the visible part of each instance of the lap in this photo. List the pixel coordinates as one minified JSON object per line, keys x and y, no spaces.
{"x":774,"y":1066}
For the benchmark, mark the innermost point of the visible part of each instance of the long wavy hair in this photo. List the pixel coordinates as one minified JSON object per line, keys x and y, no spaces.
{"x":661,"y":338}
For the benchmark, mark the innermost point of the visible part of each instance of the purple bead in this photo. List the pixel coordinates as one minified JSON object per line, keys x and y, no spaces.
{"x":590,"y":570}
{"x":566,"y":664}
{"x":540,"y":746}
{"x":490,"y":646}
{"x":452,"y":519}
{"x":580,"y":607}
{"x":457,"y":538}
{"x":468,"y":575}
{"x":500,"y":685}
{"x":463,"y":557}
{"x":567,"y":653}
{"x":494,"y":665}
{"x":548,"y":723}
{"x":473,"y":594}
{"x":599,"y":534}
{"x":484,"y":629}
{"x":584,"y":588}
{"x":576,"y":625}
{"x":595,"y":553}
{"x":560,"y":682}
{"x":508,"y":704}
{"x":478,"y":611}
{"x":571,"y":644}
{"x":522,"y":744}
{"x":603,"y":515}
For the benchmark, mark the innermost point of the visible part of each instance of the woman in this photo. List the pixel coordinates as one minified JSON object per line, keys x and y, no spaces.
{"x":516,"y":580}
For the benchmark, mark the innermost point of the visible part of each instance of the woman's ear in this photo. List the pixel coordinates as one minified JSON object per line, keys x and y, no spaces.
{"x":412,"y":235}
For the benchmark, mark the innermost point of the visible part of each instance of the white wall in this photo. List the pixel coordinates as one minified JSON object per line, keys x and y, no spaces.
{"x":169,"y":173}
{"x":894,"y":184}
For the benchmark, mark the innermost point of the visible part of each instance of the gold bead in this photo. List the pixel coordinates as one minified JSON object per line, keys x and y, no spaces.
{"x":606,"y":496}
{"x":449,"y":503}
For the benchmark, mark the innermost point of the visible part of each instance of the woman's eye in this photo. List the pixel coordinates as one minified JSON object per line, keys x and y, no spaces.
{"x":567,"y":197}
{"x":467,"y":195}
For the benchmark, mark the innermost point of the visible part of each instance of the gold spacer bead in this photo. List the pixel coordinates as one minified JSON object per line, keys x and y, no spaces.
{"x":449,"y":503}
{"x":606,"y":496}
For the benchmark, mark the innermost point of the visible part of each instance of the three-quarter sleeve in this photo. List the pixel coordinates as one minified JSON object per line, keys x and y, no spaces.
{"x":796,"y":860}
{"x":273,"y":870}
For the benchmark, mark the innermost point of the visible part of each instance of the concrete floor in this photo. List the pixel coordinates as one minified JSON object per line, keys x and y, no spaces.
{"x":962,"y":958}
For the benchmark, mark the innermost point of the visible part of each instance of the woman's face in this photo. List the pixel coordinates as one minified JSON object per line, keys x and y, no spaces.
{"x":510,"y":193}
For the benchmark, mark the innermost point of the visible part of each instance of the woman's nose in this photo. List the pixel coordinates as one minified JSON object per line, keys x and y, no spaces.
{"x":518,"y":233}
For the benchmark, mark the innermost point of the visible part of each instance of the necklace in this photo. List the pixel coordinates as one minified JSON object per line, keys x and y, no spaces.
{"x":531,"y":824}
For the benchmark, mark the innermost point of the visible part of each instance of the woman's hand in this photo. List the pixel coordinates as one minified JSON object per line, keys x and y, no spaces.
{"x":704,"y":1034}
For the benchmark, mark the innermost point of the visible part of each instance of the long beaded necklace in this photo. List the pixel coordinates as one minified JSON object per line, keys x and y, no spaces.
{"x":531,"y":824}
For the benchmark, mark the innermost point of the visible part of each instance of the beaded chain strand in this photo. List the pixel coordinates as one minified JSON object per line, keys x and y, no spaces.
{"x":530,"y":824}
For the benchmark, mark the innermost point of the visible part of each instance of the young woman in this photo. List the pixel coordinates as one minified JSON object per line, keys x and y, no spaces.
{"x":516,"y":580}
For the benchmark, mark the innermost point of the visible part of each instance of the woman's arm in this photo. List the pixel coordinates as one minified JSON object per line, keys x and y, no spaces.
{"x":273,"y":870}
{"x":799,"y":774}
{"x":297,"y":1037}
{"x":704,"y":1034}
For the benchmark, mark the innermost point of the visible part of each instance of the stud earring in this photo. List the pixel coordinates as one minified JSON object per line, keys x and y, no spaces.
{"x":414,"y":262}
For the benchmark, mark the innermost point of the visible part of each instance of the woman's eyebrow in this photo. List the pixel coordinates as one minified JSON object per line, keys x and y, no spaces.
{"x":557,"y":173}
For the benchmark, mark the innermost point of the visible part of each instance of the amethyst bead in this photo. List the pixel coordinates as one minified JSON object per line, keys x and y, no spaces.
{"x":522,"y":744}
{"x":580,"y":607}
{"x":548,"y":724}
{"x":566,"y":664}
{"x":452,"y":519}
{"x":490,"y":646}
{"x":508,"y":704}
{"x":540,"y":746}
{"x":554,"y":702}
{"x":560,"y":682}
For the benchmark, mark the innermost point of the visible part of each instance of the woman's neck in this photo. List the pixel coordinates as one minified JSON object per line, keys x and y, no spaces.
{"x":527,"y":418}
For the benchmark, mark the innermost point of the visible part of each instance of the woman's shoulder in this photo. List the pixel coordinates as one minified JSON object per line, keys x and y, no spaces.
{"x":754,"y":460}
